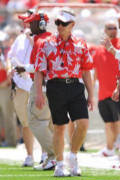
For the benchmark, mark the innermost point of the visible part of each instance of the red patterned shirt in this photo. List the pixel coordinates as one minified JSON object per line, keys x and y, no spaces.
{"x":61,"y":59}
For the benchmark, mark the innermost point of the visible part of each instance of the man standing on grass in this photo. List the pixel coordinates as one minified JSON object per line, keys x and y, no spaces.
{"x":62,"y":60}
{"x":106,"y":71}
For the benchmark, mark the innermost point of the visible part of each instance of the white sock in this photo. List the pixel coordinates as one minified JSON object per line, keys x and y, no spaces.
{"x":43,"y":156}
{"x":29,"y":156}
{"x":59,"y":163}
{"x":110,"y":150}
{"x":73,"y":155}
{"x":118,"y":139}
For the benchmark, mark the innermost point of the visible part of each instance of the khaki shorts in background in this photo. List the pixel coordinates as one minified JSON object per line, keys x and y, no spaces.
{"x":8,"y":121}
{"x":20,"y":100}
{"x":40,"y":124}
{"x":34,"y":112}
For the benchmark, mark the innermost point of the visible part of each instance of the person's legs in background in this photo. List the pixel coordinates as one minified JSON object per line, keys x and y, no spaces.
{"x":117,"y":134}
{"x":110,"y":114}
{"x":41,"y":126}
{"x":110,"y":134}
{"x":20,"y":100}
{"x":2,"y":129}
{"x":9,"y":117}
{"x":19,"y":132}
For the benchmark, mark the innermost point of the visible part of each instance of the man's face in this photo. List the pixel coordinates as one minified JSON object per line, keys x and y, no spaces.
{"x":111,"y":30}
{"x":64,"y":28}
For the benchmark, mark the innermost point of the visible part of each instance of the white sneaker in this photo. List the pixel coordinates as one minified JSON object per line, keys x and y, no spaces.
{"x":117,"y":143}
{"x":61,"y":172}
{"x":48,"y":165}
{"x":105,"y":152}
{"x":73,"y":165}
{"x":28,"y":162}
{"x":116,"y":166}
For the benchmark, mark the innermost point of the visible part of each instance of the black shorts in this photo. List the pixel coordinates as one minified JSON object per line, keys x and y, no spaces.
{"x":109,"y":110}
{"x":66,"y":99}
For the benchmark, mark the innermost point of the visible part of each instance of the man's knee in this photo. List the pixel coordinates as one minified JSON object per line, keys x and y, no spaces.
{"x":59,"y":130}
{"x":82,"y":124}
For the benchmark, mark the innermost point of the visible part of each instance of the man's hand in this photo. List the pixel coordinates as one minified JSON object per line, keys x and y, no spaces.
{"x":115,"y":96}
{"x":20,"y":69}
{"x":90,"y":103}
{"x":40,"y":101}
{"x":107,"y":43}
{"x":27,"y":32}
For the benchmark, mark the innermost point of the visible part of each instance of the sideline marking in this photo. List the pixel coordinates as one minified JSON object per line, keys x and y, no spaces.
{"x":25,"y":175}
{"x":36,"y":175}
{"x":17,"y":168}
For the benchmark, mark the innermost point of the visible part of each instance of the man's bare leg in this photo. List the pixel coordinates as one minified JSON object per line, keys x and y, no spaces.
{"x":58,"y":141}
{"x":110,"y":135}
{"x":79,"y":134}
{"x":28,"y":140}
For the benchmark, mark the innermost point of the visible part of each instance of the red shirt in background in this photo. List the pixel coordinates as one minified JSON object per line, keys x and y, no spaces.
{"x":107,"y":70}
{"x":4,"y":2}
{"x":3,"y":75}
{"x":3,"y":72}
{"x":92,"y":50}
{"x":61,"y":1}
{"x":31,"y":3}
{"x":95,"y":1}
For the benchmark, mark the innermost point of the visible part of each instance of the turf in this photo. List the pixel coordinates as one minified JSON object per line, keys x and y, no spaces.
{"x":16,"y":172}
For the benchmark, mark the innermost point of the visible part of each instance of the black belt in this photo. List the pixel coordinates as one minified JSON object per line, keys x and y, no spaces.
{"x":66,"y":80}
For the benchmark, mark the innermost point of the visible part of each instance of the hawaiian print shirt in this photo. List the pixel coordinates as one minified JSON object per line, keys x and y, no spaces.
{"x":61,"y":59}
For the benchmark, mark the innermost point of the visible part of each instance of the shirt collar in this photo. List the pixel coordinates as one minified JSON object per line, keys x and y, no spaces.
{"x":60,"y":40}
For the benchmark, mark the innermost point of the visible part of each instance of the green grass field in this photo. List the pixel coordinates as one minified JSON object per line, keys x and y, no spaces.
{"x":16,"y":172}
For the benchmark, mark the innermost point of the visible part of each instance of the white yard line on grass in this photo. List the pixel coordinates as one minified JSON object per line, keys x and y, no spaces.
{"x":91,"y":160}
{"x":17,"y":168}
{"x":37,"y":175}
{"x":96,"y":131}
{"x":24,"y":175}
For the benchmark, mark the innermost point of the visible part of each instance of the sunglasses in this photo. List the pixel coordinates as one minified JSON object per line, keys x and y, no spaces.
{"x":112,"y":28}
{"x":58,"y":22}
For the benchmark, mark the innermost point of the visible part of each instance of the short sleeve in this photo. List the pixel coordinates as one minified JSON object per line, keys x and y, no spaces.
{"x":87,"y":61}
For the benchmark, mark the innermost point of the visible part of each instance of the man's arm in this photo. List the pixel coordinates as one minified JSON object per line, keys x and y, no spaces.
{"x":116,"y":92}
{"x":25,"y":68}
{"x":39,"y":99}
{"x":111,"y":48}
{"x":94,"y":78}
{"x":86,"y":75}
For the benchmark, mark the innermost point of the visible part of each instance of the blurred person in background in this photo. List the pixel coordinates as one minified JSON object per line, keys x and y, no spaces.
{"x":31,"y":3}
{"x":13,"y":5}
{"x":6,"y":105}
{"x":106,"y":71}
{"x":19,"y":54}
{"x":12,"y":30}
{"x":3,"y":3}
{"x":39,"y":120}
{"x":116,"y":94}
